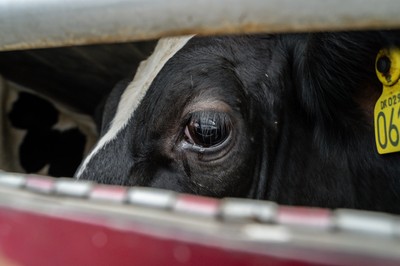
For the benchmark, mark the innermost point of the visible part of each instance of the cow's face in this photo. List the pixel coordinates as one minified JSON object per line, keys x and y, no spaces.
{"x":199,"y":127}
{"x":246,"y":116}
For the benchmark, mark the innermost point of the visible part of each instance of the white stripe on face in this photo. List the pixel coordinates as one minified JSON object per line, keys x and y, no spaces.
{"x":136,"y":90}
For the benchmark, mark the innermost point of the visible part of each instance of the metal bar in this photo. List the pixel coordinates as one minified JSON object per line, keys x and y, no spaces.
{"x":226,"y":230}
{"x":28,"y":24}
{"x":108,"y":218}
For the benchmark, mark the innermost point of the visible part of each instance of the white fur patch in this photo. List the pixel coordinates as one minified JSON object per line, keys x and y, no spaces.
{"x":136,"y":90}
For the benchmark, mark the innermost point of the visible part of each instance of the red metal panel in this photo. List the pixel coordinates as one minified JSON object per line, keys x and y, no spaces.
{"x":34,"y":239}
{"x":46,"y":221}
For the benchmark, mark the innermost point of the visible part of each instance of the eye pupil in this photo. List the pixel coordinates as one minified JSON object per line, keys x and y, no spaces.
{"x":206,"y":130}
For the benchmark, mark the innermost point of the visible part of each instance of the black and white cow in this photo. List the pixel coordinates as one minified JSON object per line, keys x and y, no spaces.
{"x":287,"y":118}
{"x":39,"y":135}
{"x":49,"y":98}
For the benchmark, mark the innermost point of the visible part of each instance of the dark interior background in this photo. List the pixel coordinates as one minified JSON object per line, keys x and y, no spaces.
{"x":79,"y":76}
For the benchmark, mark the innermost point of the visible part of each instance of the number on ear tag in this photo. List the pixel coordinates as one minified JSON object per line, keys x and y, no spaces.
{"x":387,"y":108}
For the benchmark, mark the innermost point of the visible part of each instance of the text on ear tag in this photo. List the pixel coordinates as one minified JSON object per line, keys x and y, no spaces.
{"x":387,"y":108}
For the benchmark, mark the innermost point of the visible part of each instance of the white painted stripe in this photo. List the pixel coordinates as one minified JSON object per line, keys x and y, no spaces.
{"x":136,"y":90}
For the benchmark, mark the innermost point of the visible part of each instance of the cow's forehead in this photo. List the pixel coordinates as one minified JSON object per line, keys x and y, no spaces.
{"x":136,"y":90}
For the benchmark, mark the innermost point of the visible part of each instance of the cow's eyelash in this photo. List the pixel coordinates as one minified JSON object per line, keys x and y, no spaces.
{"x":209,"y":115}
{"x":217,"y":116}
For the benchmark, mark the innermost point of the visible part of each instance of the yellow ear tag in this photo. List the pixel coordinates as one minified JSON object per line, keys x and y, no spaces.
{"x":387,"y":108}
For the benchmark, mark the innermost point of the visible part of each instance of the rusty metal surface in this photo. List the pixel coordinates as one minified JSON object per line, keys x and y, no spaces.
{"x":28,"y":24}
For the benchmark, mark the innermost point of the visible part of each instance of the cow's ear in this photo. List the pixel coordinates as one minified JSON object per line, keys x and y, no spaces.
{"x":335,"y":73}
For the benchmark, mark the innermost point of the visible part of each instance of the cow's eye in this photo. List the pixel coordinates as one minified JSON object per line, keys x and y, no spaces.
{"x":207,"y":129}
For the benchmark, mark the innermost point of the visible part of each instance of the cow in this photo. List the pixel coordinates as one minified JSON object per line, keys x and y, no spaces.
{"x":285,"y":117}
{"x":39,"y":135}
{"x":49,"y":100}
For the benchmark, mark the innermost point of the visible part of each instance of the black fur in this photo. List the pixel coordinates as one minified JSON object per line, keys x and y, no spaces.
{"x":301,"y":107}
{"x":61,"y":150}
